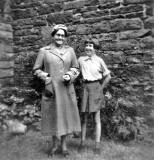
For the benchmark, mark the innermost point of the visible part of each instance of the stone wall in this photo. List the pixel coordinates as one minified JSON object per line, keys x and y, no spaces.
{"x":124,"y":28}
{"x":6,"y":46}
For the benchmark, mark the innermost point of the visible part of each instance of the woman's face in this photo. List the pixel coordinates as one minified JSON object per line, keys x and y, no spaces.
{"x":59,"y":37}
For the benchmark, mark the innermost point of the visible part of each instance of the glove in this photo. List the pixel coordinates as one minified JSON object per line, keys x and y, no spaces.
{"x":66,"y":78}
{"x":41,"y":74}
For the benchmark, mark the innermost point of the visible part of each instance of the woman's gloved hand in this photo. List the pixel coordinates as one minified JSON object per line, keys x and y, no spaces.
{"x":41,"y":74}
{"x":66,"y":78}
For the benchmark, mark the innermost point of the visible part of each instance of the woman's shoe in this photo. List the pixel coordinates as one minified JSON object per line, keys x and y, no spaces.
{"x":82,"y":148}
{"x":65,"y":153}
{"x":53,"y":151}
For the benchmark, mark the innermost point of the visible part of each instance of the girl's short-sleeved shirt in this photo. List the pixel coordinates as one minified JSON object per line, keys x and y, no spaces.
{"x":93,"y":68}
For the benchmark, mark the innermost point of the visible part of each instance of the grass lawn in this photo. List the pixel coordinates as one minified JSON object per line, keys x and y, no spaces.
{"x":33,"y":147}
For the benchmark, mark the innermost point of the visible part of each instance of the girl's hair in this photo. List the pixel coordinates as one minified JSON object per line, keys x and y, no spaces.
{"x":91,"y":41}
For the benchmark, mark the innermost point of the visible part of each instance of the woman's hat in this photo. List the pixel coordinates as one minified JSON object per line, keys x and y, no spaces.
{"x":57,"y":27}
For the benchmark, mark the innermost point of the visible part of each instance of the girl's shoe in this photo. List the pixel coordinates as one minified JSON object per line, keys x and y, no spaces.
{"x":97,"y":150}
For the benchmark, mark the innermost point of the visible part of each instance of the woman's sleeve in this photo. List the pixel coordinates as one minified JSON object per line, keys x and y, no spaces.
{"x":39,"y":65}
{"x":39,"y":61}
{"x":74,"y":70}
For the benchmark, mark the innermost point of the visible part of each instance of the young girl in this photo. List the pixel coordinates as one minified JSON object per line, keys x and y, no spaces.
{"x":93,"y":69}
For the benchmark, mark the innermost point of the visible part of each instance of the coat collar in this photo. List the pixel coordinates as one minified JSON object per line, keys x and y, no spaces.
{"x":52,"y":49}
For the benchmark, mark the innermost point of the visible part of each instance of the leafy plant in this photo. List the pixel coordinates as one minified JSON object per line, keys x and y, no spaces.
{"x":120,"y":120}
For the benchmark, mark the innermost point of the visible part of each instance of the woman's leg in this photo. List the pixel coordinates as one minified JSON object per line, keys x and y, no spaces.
{"x":97,"y":131}
{"x":54,"y":146}
{"x":64,"y":146}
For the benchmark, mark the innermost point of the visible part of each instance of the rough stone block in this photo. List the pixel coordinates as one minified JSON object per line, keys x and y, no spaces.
{"x":49,"y":8}
{"x":125,"y":24}
{"x":6,"y":57}
{"x":126,"y":2}
{"x":60,"y":17}
{"x":149,"y":22}
{"x":25,"y":32}
{"x":39,"y":21}
{"x":104,"y":26}
{"x":152,"y":31}
{"x":147,"y":43}
{"x":149,"y":10}
{"x":31,"y":39}
{"x":53,"y":1}
{"x":148,"y":59}
{"x":109,"y":46}
{"x":91,"y":2}
{"x":22,"y":27}
{"x":6,"y":35}
{"x":27,"y":1}
{"x":83,"y":29}
{"x":93,"y":14}
{"x":128,"y":45}
{"x":6,"y":82}
{"x":132,"y":60}
{"x":127,"y":9}
{"x":8,"y":48}
{"x":5,"y":73}
{"x":86,"y":9}
{"x":118,"y":25}
{"x":107,"y":37}
{"x":114,"y":57}
{"x":134,"y":34}
{"x":6,"y":64}
{"x":132,"y":24}
{"x":24,"y":13}
{"x":26,"y":4}
{"x":34,"y":47}
{"x":108,"y":5}
{"x":44,"y":9}
{"x":135,"y":15}
{"x":22,"y":22}
{"x":95,"y":20}
{"x":119,"y":46}
{"x":107,"y":1}
{"x":57,"y":7}
{"x":74,"y":4}
{"x":5,"y":27}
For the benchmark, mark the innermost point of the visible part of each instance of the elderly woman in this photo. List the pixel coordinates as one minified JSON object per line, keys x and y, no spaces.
{"x":57,"y":65}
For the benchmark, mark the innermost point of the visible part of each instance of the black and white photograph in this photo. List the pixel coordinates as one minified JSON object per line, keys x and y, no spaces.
{"x":77,"y":79}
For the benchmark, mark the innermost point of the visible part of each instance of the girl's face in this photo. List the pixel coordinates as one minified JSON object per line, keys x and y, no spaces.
{"x":59,"y":37}
{"x":89,"y":49}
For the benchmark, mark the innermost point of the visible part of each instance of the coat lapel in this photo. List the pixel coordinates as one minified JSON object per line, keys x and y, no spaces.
{"x":55,"y":52}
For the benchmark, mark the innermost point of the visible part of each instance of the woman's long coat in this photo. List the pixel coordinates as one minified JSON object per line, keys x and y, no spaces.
{"x":60,"y":115}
